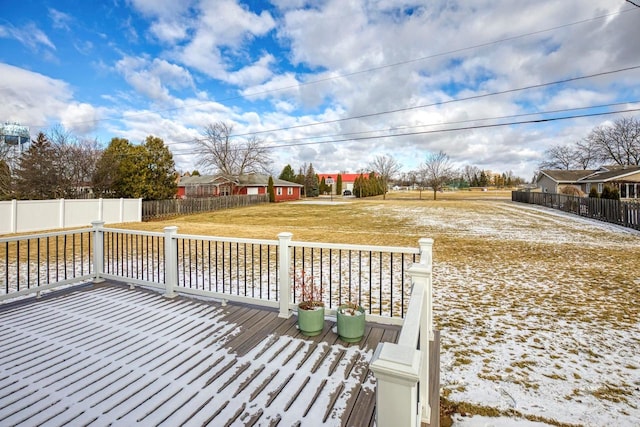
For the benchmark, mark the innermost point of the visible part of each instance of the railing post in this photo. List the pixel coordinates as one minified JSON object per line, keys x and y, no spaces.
{"x":402,"y":371}
{"x":98,"y":251}
{"x":170,"y":261}
{"x":423,"y":272}
{"x":284,"y":260}
{"x":397,"y":372}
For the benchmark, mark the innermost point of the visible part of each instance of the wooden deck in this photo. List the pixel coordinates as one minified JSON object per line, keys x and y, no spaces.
{"x":109,"y":355}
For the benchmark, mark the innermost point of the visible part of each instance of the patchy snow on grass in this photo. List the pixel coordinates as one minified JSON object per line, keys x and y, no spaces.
{"x":480,"y":421}
{"x":542,"y":319}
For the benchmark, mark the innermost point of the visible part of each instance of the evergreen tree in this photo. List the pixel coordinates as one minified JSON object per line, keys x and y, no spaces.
{"x":615,"y":194}
{"x":36,"y":172}
{"x":339,"y":184}
{"x":593,"y":193}
{"x":5,"y":181}
{"x":136,"y":171}
{"x":483,"y":181}
{"x":160,"y":183}
{"x":271,"y":190}
{"x":324,"y":188}
{"x":311,"y":182}
{"x":606,"y":192}
{"x":288,"y":174}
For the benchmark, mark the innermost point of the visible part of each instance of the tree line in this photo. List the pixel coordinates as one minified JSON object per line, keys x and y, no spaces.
{"x":58,"y":165}
{"x":436,"y":173}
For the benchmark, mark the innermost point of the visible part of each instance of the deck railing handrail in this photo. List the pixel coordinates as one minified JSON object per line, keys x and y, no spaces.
{"x":403,"y":369}
{"x":352,"y":247}
{"x":167,"y":260}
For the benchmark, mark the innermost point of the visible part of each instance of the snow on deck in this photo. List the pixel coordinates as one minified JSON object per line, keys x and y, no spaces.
{"x":112,"y":356}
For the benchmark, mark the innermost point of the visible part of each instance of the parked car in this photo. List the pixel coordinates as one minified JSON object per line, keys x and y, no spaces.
{"x":346,"y":193}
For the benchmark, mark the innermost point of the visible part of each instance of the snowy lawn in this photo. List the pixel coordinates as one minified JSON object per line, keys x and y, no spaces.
{"x":539,"y":310}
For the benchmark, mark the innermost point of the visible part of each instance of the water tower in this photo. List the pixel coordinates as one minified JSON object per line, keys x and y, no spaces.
{"x":13,"y":139}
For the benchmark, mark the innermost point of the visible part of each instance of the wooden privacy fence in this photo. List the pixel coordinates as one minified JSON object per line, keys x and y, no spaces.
{"x":165,"y":208}
{"x":626,"y":214}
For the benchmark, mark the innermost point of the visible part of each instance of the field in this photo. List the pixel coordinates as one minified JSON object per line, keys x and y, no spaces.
{"x":539,"y":310}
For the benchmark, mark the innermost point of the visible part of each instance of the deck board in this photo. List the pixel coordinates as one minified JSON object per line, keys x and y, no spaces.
{"x":110,"y":355}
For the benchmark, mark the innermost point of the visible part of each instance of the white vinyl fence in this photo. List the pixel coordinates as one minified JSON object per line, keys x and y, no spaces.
{"x":19,"y":216}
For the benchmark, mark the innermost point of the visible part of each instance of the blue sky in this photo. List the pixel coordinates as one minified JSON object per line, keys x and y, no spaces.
{"x":310,"y":77}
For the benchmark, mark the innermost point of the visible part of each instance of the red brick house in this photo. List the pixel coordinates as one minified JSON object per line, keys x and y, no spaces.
{"x":250,"y":184}
{"x":348,"y":179}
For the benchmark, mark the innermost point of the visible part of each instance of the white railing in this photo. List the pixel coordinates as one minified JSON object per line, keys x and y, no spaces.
{"x":260,"y":272}
{"x":402,"y":369}
{"x":40,"y":262}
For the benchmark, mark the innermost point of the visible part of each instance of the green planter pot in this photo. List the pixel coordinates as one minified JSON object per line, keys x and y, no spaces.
{"x":311,"y":322}
{"x":350,"y":327}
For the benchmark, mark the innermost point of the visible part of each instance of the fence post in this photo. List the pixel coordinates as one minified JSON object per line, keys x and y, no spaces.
{"x":170,"y":261}
{"x":14,"y":216}
{"x":98,"y":250}
{"x":284,"y":259}
{"x":61,"y":213}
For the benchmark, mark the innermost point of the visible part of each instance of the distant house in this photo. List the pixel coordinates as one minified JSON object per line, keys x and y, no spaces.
{"x":250,"y":184}
{"x":625,"y":178}
{"x":348,"y":179}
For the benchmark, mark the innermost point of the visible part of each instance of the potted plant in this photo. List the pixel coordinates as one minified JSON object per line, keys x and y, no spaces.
{"x":310,"y":305}
{"x":350,"y":322}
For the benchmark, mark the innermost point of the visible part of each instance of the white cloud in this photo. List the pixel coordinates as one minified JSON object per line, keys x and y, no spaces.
{"x":153,"y":78}
{"x":206,"y":49}
{"x":226,"y":25}
{"x":79,"y":118}
{"x":60,"y":20}
{"x":29,"y":35}
{"x":40,"y":102}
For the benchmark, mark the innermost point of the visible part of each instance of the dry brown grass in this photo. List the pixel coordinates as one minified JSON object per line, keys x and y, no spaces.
{"x":547,"y":298}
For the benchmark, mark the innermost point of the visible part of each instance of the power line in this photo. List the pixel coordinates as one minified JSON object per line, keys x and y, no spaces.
{"x":474,"y":127}
{"x":398,"y":110}
{"x":355,"y":73}
{"x":523,"y":122}
{"x":510,"y":116}
{"x":636,"y":5}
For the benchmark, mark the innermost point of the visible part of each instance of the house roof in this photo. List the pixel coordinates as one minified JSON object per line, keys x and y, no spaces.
{"x":604,"y":174}
{"x":259,"y":180}
{"x":346,"y":177}
{"x":563,"y":176}
{"x":611,"y":173}
{"x":249,"y":180}
{"x":198,"y":180}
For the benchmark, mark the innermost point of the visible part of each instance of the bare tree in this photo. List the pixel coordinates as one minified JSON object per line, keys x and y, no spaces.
{"x":559,"y":157}
{"x":618,"y":143}
{"x":437,"y":171}
{"x":77,"y":159}
{"x":386,"y":167}
{"x":471,"y":174}
{"x":586,"y":154}
{"x":229,"y":157}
